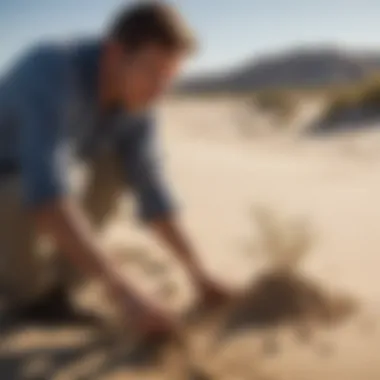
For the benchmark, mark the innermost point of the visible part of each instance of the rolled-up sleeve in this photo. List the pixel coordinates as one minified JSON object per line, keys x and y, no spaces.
{"x":43,"y":153}
{"x":144,"y":173}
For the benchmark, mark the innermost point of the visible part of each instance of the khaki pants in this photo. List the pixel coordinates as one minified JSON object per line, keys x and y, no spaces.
{"x":29,"y":268}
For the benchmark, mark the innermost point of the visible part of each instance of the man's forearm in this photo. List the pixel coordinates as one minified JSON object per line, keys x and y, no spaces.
{"x":74,"y":236}
{"x":170,"y":231}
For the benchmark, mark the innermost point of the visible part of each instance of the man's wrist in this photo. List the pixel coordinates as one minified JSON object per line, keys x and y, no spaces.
{"x":108,"y":272}
{"x":195,"y":270}
{"x":114,"y":278}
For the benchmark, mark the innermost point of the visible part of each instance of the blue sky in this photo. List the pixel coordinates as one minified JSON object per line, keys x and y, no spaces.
{"x":229,"y":30}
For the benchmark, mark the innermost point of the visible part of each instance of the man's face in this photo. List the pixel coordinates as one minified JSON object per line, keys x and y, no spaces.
{"x":146,"y":75}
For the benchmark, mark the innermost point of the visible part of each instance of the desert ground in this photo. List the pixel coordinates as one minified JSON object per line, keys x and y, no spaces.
{"x":308,"y":206}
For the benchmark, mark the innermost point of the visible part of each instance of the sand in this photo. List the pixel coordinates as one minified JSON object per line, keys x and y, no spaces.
{"x":316,"y":320}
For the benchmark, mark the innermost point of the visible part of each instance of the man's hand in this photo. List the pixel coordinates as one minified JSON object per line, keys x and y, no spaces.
{"x":211,"y":293}
{"x":76,"y":239}
{"x":139,"y":312}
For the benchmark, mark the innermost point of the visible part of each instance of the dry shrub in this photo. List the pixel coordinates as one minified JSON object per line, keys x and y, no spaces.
{"x":370,"y":95}
{"x":280,"y":103}
{"x":282,"y":295}
{"x":289,"y":298}
{"x":360,"y":99}
{"x":339,"y":104}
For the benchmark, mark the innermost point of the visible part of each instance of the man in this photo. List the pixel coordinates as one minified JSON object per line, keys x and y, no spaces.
{"x":90,"y":102}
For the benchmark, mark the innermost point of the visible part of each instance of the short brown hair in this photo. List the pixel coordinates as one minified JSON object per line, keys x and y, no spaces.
{"x":155,"y":22}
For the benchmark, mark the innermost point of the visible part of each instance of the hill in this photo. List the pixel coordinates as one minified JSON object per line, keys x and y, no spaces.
{"x":299,"y":68}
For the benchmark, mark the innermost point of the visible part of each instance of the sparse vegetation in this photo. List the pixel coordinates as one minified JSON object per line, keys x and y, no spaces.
{"x":282,"y":104}
{"x":362,"y":100}
{"x":355,"y":102}
{"x":283,"y":295}
{"x":358,"y":101}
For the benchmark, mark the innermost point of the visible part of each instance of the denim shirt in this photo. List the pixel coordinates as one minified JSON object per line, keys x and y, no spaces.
{"x":49,"y":117}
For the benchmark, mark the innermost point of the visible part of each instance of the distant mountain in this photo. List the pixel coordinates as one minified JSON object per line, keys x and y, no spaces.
{"x":297,"y":68}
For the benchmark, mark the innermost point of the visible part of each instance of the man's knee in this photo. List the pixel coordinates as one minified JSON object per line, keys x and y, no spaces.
{"x":24,"y":271}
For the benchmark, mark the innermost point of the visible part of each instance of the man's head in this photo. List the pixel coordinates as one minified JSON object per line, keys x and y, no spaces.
{"x":146,"y":47}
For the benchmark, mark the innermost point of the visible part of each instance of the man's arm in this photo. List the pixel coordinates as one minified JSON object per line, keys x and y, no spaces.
{"x":169,"y":229}
{"x":144,"y":174}
{"x":156,"y":207}
{"x":42,"y":89}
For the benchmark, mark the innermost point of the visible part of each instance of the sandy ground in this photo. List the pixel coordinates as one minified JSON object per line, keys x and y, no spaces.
{"x":331,"y":185}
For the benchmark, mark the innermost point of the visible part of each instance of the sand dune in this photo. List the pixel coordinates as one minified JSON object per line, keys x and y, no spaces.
{"x":330,"y":184}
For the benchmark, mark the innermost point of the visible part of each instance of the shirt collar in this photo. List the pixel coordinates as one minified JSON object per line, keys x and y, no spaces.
{"x":88,"y":56}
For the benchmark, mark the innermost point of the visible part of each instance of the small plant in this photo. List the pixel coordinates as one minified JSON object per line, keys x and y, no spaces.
{"x":362,"y":98}
{"x":280,"y":104}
